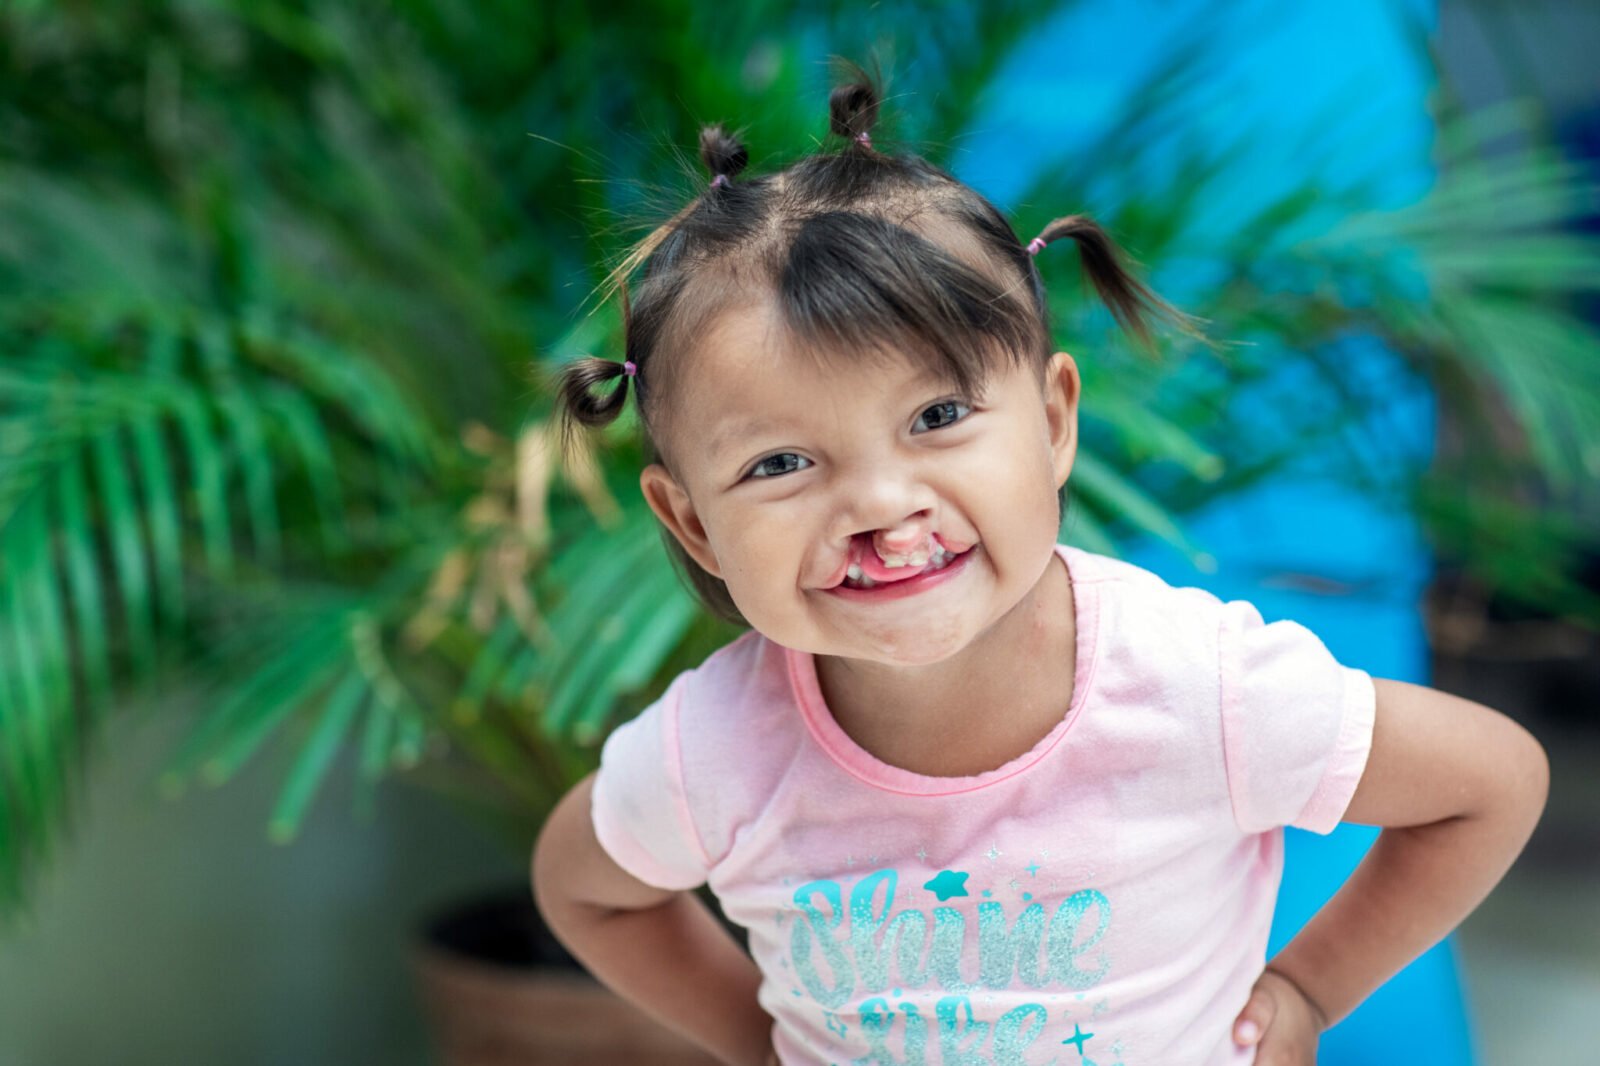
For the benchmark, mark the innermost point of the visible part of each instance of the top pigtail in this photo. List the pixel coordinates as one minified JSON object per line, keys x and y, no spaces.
{"x":1128,"y":298}
{"x":723,"y":154}
{"x":853,"y":108}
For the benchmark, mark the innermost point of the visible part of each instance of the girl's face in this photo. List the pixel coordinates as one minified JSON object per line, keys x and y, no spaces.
{"x":783,"y":461}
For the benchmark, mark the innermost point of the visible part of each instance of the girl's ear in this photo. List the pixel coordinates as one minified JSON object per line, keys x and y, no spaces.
{"x":676,"y":511}
{"x":1061,"y":388}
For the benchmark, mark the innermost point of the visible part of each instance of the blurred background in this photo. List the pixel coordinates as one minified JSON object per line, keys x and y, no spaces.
{"x":304,"y":625}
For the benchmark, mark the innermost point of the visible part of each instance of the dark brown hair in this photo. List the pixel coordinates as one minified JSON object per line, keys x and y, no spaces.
{"x":863,"y":255}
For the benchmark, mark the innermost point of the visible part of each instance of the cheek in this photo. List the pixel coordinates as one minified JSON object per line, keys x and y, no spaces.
{"x":754,"y":549}
{"x":1014,"y":472}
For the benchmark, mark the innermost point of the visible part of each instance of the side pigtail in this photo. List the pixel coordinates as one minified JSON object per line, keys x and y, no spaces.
{"x":577,"y":402}
{"x":1129,"y":299}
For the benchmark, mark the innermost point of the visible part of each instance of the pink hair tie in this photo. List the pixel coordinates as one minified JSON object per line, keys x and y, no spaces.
{"x":864,"y":139}
{"x":1036,"y":245}
{"x":720,"y":179}
{"x":628,"y":368}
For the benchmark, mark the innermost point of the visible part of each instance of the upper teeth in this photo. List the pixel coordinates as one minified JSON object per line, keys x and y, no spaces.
{"x":938,"y":557}
{"x":917,"y":558}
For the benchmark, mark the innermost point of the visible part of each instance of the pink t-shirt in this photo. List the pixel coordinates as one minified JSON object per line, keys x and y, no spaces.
{"x":1104,"y":897}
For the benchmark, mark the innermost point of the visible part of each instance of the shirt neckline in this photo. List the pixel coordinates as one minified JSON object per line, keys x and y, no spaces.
{"x":850,"y":756}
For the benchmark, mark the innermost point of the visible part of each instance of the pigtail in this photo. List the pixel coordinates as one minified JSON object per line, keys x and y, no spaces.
{"x":723,"y":154}
{"x":576,"y":403}
{"x":1129,"y":299}
{"x":853,"y":107}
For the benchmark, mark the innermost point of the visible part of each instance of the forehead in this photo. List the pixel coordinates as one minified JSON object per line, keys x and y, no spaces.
{"x":749,"y":376}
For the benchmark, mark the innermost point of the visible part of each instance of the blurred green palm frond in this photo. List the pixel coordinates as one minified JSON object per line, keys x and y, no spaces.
{"x":133,"y":452}
{"x":275,"y":279}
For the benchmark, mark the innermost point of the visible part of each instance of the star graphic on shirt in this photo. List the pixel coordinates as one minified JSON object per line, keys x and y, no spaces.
{"x":993,"y":853}
{"x":849,"y":860}
{"x":1078,"y":1038}
{"x":1014,"y":884}
{"x":1033,"y":869}
{"x":948,"y":884}
{"x":922,"y":854}
{"x":832,"y":1021}
{"x":1116,"y":1049}
{"x":1100,"y":1008}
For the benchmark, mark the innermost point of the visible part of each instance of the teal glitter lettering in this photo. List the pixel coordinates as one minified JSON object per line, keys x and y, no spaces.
{"x":1010,"y":1040}
{"x":1001,"y":950}
{"x":916,"y":1034}
{"x":877,"y":1021}
{"x":908,"y":931}
{"x":821,"y":926}
{"x":1064,"y":947}
{"x":950,"y":1034}
{"x":872,"y":963}
{"x":949,"y":936}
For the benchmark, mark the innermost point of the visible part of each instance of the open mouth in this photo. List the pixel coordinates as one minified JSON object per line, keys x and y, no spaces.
{"x":855,"y":578}
{"x":941,"y":567}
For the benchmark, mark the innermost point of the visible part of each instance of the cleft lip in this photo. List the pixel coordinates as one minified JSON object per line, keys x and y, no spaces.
{"x":863,"y":554}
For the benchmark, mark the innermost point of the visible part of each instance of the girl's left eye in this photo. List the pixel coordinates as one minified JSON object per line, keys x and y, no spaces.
{"x":940,"y":406}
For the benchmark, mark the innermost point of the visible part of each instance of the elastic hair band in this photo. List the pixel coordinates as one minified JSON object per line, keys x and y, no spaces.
{"x":629,"y":369}
{"x":720,"y":179}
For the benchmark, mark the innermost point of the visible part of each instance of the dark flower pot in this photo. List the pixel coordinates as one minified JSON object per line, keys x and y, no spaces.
{"x":500,"y":990}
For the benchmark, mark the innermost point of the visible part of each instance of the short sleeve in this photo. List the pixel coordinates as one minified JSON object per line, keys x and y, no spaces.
{"x":1297,"y":724}
{"x":638,"y":803}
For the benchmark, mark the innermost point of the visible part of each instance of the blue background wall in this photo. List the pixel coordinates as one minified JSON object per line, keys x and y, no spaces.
{"x":1341,"y":80}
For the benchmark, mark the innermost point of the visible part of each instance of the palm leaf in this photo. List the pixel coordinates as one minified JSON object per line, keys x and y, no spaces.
{"x":316,"y":756}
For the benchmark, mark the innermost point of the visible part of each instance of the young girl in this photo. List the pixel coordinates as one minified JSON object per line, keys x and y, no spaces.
{"x":977,"y":796}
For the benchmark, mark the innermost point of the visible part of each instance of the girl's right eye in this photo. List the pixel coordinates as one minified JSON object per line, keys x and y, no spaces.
{"x":755,"y":471}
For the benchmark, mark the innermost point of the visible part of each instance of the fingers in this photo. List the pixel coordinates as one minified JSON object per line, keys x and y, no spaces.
{"x":1255,"y":1018}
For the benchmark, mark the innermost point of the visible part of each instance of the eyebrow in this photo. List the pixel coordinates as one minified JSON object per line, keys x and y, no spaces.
{"x":732,"y":435}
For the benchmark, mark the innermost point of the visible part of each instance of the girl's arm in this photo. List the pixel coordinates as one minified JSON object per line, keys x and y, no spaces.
{"x":662,"y":950}
{"x":1459,"y":788}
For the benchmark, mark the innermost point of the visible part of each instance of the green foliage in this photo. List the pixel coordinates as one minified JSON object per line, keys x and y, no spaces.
{"x":273,"y":277}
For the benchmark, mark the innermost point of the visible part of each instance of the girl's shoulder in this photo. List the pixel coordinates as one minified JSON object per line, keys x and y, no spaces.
{"x":1131,"y":579}
{"x":1146,"y":626}
{"x":737,"y":680}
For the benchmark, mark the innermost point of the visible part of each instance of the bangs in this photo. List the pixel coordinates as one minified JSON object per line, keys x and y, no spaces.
{"x":856,"y":286}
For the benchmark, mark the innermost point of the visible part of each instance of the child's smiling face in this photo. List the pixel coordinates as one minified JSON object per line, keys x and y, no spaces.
{"x":783,"y":460}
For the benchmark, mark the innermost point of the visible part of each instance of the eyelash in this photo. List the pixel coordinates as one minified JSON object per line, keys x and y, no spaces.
{"x":759,"y":463}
